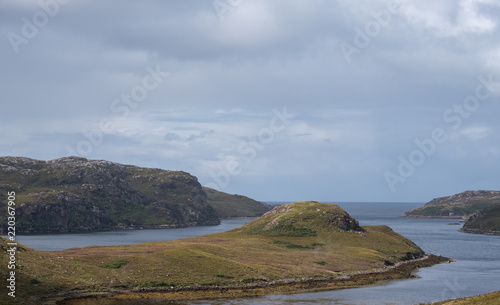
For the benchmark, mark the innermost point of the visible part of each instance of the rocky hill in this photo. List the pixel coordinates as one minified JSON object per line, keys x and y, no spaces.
{"x":74,"y":194}
{"x":456,"y":206}
{"x":228,"y":205}
{"x":302,"y":219}
{"x":486,"y":221}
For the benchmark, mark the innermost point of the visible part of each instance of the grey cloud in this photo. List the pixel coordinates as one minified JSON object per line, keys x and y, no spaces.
{"x":352,"y":120}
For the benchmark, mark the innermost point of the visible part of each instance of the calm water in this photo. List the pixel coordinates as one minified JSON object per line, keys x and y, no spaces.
{"x":55,"y":242}
{"x":476,"y":270}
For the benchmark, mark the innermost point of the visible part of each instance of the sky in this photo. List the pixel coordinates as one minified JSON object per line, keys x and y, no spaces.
{"x":279,"y":100}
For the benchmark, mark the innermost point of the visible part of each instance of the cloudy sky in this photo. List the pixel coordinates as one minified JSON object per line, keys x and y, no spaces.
{"x":280,"y":100}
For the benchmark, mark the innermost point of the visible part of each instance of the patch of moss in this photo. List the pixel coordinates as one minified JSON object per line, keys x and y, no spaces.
{"x":116,"y":264}
{"x":290,"y":230}
{"x":153,"y":284}
{"x":290,"y":245}
{"x":317,"y":244}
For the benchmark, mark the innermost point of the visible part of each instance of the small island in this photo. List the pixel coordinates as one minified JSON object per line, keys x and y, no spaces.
{"x":302,"y":246}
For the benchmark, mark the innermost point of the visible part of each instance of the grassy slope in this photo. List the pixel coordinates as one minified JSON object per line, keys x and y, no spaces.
{"x":228,"y":205}
{"x":485,"y":299}
{"x":234,"y":257}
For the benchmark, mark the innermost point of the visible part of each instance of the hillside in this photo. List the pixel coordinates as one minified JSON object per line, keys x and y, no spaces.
{"x":228,"y":205}
{"x":456,"y":206}
{"x":486,"y":221}
{"x":304,"y":245}
{"x":78,"y":195}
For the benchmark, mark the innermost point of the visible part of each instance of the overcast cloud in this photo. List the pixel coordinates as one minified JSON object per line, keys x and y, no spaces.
{"x":275,"y":99}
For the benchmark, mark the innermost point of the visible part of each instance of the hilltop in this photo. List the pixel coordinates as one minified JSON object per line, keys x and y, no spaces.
{"x":456,"y":206}
{"x":295,"y":247}
{"x":228,"y":205}
{"x":307,"y":218}
{"x":75,"y":194}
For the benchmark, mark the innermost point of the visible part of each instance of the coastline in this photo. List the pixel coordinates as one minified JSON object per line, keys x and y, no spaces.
{"x":431,"y":217}
{"x":479,"y":231}
{"x":402,"y":270}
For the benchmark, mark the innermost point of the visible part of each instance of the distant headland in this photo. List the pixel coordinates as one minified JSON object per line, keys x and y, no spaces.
{"x":480,"y":210}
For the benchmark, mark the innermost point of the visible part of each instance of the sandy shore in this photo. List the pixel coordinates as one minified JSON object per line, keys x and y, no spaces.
{"x":401,"y":270}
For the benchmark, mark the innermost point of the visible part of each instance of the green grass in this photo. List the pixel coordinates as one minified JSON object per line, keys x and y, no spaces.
{"x":116,"y":264}
{"x":154,"y":284}
{"x":290,"y":230}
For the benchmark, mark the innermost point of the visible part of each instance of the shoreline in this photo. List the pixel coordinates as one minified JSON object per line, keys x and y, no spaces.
{"x":479,"y":231}
{"x":402,"y":270}
{"x":431,"y":217}
{"x":117,"y":229}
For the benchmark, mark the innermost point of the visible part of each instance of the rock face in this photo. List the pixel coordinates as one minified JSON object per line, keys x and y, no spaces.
{"x":228,"y":205}
{"x":486,"y":221}
{"x":456,"y":206}
{"x":74,"y":194}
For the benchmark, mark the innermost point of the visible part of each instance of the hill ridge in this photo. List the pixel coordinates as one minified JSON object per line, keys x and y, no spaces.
{"x":456,"y":206}
{"x":75,"y":194}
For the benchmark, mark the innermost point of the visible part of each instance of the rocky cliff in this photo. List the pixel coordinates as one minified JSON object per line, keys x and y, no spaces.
{"x":74,"y":194}
{"x":486,"y":221}
{"x":456,"y":206}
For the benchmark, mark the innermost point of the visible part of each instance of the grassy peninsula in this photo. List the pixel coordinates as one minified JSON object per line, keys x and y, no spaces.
{"x":295,"y":247}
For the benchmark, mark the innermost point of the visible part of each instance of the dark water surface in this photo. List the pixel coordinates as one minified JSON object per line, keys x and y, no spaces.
{"x":476,"y":270}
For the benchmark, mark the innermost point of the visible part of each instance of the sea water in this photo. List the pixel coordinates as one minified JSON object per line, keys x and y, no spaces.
{"x":476,"y":269}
